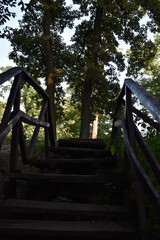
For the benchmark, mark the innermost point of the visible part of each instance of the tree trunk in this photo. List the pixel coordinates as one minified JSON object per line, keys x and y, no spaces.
{"x":95,"y":127}
{"x":49,"y":62}
{"x":87,"y":92}
{"x":85,"y":112}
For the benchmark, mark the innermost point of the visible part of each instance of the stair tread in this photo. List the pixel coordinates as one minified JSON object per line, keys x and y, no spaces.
{"x":74,"y":152}
{"x":19,"y":205}
{"x":82,"y":143}
{"x":68,"y":160}
{"x":78,"y":149}
{"x":63,"y":228}
{"x":61,"y":177}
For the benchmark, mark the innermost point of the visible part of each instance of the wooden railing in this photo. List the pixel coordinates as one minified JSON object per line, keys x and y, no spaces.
{"x":13,"y":117}
{"x":133,"y":138}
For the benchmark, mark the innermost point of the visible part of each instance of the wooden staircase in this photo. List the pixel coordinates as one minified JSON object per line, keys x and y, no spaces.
{"x":76,"y":194}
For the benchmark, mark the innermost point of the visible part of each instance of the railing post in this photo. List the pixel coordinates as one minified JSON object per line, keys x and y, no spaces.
{"x":138,"y":187}
{"x":116,"y":132}
{"x":15,"y":132}
{"x":9,"y":105}
{"x":46,"y":135}
{"x":118,"y":135}
{"x":22,"y":143}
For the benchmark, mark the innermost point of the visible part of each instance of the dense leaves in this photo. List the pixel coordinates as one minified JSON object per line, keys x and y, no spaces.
{"x":98,"y":55}
{"x":5,"y":12}
{"x":94,"y":54}
{"x":6,"y":9}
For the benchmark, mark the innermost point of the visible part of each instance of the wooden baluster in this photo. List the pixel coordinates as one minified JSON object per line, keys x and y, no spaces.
{"x":15,"y":133}
{"x":118,"y":134}
{"x":36,"y":131}
{"x":138,"y":187}
{"x":46,"y":135}
{"x":22,"y":143}
{"x":14,"y":144}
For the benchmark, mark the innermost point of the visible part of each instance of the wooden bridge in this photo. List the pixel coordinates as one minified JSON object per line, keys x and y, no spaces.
{"x":80,"y":191}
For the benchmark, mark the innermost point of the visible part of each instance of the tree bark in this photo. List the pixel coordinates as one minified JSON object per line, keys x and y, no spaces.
{"x":85,"y":112}
{"x":95,"y":127}
{"x":49,"y":62}
{"x":87,"y":92}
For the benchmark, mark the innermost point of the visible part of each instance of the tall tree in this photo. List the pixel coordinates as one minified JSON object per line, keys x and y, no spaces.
{"x":96,"y":43}
{"x":37,"y":44}
{"x":49,"y":59}
{"x":88,"y":84}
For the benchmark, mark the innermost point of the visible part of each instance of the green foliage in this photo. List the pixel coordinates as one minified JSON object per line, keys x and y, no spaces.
{"x":68,"y":125}
{"x":152,"y":216}
{"x":120,"y":21}
{"x":27,"y":42}
{"x":62,"y":198}
{"x":140,"y":55}
{"x":154,"y":143}
{"x":5,"y":12}
{"x":30,"y":169}
{"x":150,"y":80}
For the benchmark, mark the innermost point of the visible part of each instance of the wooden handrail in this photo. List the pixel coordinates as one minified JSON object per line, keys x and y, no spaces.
{"x":13,"y":117}
{"x":142,"y":176}
{"x":132,"y":136}
{"x":148,"y":100}
{"x":31,"y":81}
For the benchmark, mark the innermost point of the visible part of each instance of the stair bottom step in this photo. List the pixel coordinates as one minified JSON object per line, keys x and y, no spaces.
{"x":66,"y":230}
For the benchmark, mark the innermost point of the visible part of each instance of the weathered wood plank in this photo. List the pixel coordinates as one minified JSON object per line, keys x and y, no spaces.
{"x":10,"y":126}
{"x":82,"y":143}
{"x":26,"y":119}
{"x":100,"y":230}
{"x":148,"y":100}
{"x":146,"y":118}
{"x":10,"y":102}
{"x":67,"y":152}
{"x":72,"y":149}
{"x":73,"y":178}
{"x":148,"y":154}
{"x":81,"y":209}
{"x":36,"y":130}
{"x":33,"y":121}
{"x":5,"y":76}
{"x":17,"y":70}
{"x":34,"y":84}
{"x":141,"y":175}
{"x":53,"y":161}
